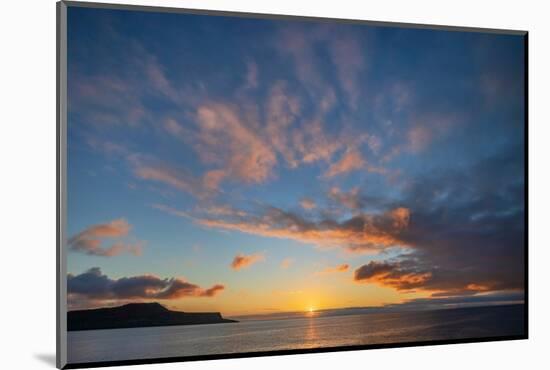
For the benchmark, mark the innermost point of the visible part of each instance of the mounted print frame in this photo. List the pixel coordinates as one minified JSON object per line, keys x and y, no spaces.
{"x":236,"y":185}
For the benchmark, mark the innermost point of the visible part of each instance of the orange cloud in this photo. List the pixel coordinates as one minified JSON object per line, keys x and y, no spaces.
{"x":350,"y":161}
{"x":392,"y":275}
{"x":401,"y":217}
{"x":227,"y":139}
{"x":351,"y":199}
{"x":314,"y":144}
{"x":89,"y":241}
{"x":113,"y":229}
{"x":243,"y":261}
{"x":179,"y":288}
{"x":212,"y":179}
{"x":211,"y":292}
{"x":407,"y":275}
{"x":361,"y":233}
{"x":340,"y":268}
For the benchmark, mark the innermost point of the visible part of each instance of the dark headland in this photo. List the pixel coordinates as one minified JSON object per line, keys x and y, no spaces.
{"x":136,"y":315}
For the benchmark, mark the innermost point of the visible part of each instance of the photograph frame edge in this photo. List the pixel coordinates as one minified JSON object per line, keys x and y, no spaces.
{"x":61,"y":184}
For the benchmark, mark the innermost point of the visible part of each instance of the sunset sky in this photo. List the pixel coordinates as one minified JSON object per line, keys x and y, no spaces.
{"x":254,"y":166}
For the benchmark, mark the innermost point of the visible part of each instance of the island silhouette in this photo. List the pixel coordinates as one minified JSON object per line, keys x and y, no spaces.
{"x":134,"y":315}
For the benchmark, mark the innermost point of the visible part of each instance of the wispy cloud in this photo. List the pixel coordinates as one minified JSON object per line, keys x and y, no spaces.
{"x":351,"y":160}
{"x":226,"y":139}
{"x":179,"y":178}
{"x":90,"y":240}
{"x":169,"y":176}
{"x":350,"y":199}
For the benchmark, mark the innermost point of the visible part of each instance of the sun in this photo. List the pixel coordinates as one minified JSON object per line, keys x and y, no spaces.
{"x":311,"y":309}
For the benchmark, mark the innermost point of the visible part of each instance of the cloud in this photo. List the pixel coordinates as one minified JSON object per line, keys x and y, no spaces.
{"x":410,"y":275}
{"x":212,"y":291}
{"x":308,"y":203}
{"x":390,"y":274}
{"x":464,"y":240}
{"x":361,"y":233}
{"x":314,"y":144}
{"x":225,"y":138}
{"x":400,"y":217}
{"x":351,"y":199}
{"x":340,"y":268}
{"x":351,"y":160}
{"x":243,"y":261}
{"x":282,"y":111}
{"x":149,"y":168}
{"x":286,"y":263}
{"x":213,"y":178}
{"x":89,"y":241}
{"x":92,"y":287}
{"x":176,"y":178}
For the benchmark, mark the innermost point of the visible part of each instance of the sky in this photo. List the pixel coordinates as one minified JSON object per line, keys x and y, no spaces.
{"x":257,"y":166}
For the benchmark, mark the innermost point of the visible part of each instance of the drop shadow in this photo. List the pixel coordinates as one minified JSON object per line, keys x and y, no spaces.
{"x":47,"y":358}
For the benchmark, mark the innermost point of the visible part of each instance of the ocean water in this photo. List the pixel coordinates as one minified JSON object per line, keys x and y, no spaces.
{"x":294,"y":333}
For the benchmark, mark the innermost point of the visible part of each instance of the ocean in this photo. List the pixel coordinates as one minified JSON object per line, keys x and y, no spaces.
{"x":295,"y":333}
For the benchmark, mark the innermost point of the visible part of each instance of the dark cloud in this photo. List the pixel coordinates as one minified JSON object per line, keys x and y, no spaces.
{"x":391,"y":274}
{"x":361,"y":233}
{"x":93,"y":287}
{"x":466,"y":231}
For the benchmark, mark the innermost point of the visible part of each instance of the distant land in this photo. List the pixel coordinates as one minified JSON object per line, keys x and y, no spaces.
{"x":136,"y":315}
